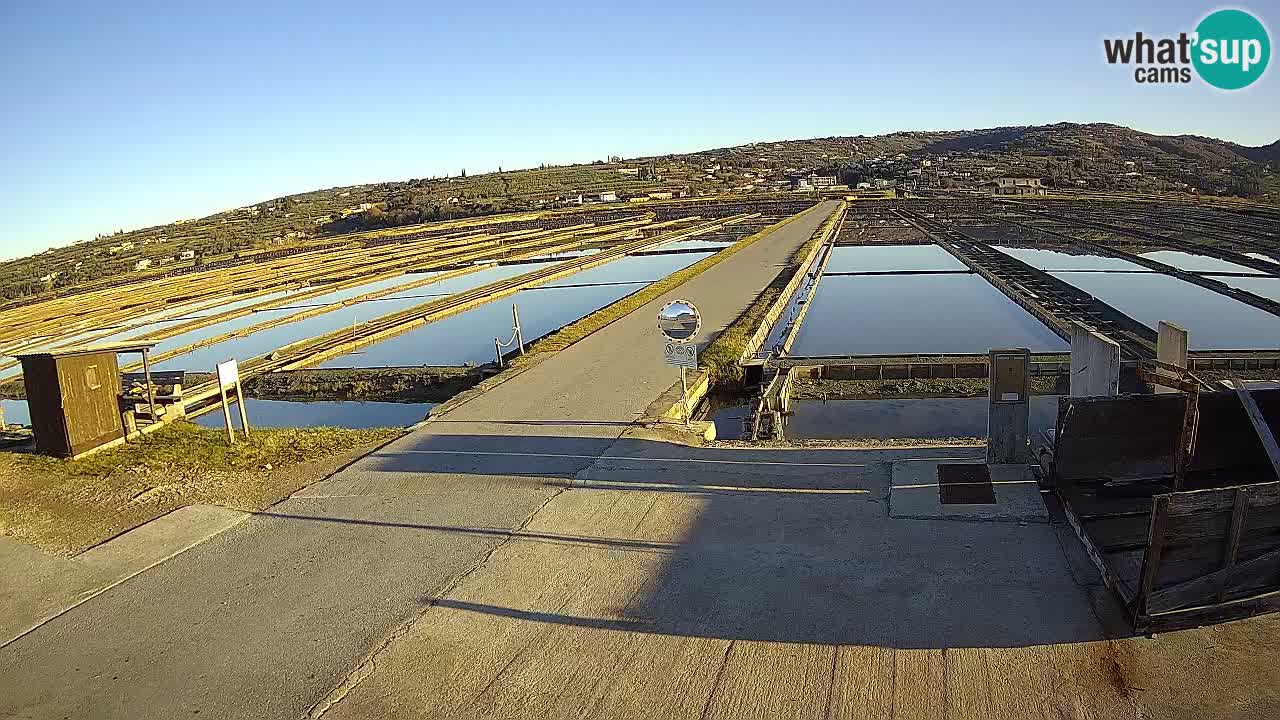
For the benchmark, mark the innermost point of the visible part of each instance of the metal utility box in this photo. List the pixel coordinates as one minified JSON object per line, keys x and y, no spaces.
{"x":1008,"y":406}
{"x":74,"y":397}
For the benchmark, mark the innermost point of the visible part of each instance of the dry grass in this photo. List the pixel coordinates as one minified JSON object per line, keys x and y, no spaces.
{"x":65,"y":506}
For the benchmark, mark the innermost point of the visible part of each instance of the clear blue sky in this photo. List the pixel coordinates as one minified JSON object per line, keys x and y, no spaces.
{"x":123,"y":114}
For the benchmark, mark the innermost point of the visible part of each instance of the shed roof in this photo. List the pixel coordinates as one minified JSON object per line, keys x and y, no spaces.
{"x":116,"y":347}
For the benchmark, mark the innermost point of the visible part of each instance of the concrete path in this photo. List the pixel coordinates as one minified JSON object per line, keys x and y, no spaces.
{"x":40,"y":586}
{"x":266,"y":618}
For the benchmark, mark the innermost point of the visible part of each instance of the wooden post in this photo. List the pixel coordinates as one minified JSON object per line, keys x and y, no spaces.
{"x":1234,"y":530}
{"x":244,"y":416}
{"x":226,"y":415}
{"x":1187,"y":440}
{"x":1155,"y":549}
{"x":151,"y":393}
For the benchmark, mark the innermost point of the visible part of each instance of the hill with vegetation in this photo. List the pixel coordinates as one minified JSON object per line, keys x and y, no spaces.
{"x":1094,"y":157}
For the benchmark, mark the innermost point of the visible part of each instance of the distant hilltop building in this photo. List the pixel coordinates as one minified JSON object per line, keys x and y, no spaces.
{"x":812,"y":181}
{"x":1015,"y":186}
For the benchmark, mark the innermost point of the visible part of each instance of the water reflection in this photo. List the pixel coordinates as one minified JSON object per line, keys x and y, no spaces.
{"x":880,"y":314}
{"x":870,"y":258}
{"x":15,"y":412}
{"x":467,"y":338}
{"x":691,"y":244}
{"x":1214,"y":321}
{"x":267,"y":340}
{"x":1198,"y":263}
{"x":1267,"y":287}
{"x":323,"y":413}
{"x":1060,"y":260}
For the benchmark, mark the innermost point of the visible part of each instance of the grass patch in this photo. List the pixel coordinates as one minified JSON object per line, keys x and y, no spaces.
{"x":721,"y":356}
{"x":65,"y":506}
{"x":596,"y":321}
{"x":186,"y":446}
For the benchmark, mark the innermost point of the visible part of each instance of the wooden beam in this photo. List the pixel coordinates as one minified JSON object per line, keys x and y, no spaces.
{"x":1151,"y":558}
{"x":1234,"y":531}
{"x":1198,"y":589}
{"x":1260,"y":426}
{"x":1205,"y":614}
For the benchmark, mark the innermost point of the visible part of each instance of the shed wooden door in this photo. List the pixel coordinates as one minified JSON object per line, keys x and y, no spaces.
{"x":90,"y":399}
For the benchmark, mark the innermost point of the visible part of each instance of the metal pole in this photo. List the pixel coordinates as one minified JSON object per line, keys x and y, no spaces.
{"x":684,"y":396}
{"x":497,"y":349}
{"x":515,"y":318}
{"x":151,"y":393}
{"x":244,"y":416}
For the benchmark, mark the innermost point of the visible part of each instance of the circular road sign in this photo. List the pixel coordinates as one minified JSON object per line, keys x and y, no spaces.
{"x":679,"y":320}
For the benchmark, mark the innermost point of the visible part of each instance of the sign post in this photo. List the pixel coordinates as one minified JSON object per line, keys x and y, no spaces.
{"x":679,"y":322}
{"x":229,"y":381}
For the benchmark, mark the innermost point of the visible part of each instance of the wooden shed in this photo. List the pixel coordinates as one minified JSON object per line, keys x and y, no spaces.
{"x":73,"y":394}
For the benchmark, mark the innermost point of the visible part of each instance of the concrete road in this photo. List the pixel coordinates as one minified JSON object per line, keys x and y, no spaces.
{"x":266,"y":618}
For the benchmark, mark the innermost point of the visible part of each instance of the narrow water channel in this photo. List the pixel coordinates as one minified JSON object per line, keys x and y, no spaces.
{"x":322,"y":413}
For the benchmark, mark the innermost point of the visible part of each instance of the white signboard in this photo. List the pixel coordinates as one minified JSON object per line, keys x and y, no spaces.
{"x":681,"y":354}
{"x":228,"y":374}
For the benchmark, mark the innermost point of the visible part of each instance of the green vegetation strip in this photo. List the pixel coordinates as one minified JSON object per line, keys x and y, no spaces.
{"x":185,"y":446}
{"x":720,"y":358}
{"x":594,"y":322}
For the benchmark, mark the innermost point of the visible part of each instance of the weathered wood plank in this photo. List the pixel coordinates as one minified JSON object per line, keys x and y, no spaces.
{"x":1190,"y":502}
{"x":1109,"y":578}
{"x":1199,"y":589}
{"x":1215,"y":613}
{"x":1232,"y":550}
{"x":1155,"y":546}
{"x":1260,"y":426}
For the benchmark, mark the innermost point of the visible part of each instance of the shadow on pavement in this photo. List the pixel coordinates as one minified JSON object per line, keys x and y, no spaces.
{"x":787,"y":545}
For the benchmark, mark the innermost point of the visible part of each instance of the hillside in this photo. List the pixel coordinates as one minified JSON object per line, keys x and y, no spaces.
{"x":1094,"y":157}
